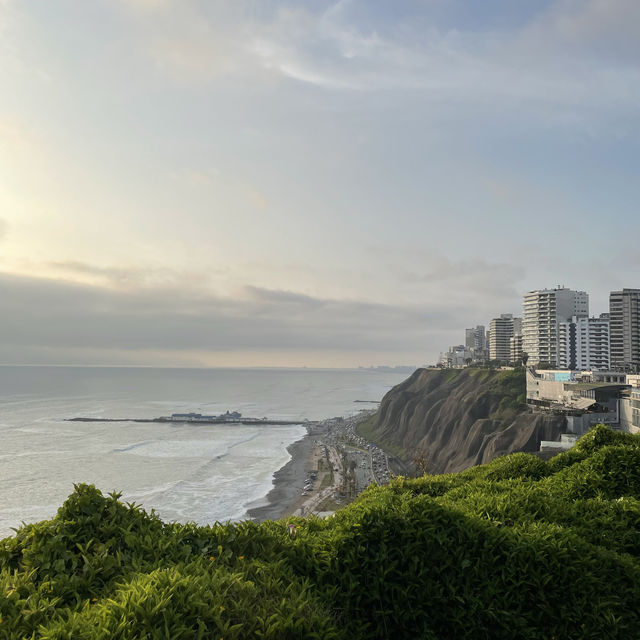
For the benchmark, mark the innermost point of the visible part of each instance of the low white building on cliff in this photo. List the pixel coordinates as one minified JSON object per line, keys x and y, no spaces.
{"x":585,"y":398}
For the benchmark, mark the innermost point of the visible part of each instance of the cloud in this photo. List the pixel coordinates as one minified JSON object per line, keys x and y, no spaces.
{"x":476,"y":288}
{"x":472,"y":273}
{"x":570,"y":64}
{"x":397,"y":300}
{"x":603,"y":28}
{"x":111,"y":274}
{"x":130,"y":277}
{"x":54,"y":317}
{"x":549,"y":61}
{"x":416,"y":305}
{"x":283,"y":297}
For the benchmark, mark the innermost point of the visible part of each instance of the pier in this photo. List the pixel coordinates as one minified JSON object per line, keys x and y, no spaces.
{"x":244,"y":421}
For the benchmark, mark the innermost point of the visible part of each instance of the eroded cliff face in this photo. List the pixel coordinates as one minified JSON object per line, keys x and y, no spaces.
{"x":459,"y":418}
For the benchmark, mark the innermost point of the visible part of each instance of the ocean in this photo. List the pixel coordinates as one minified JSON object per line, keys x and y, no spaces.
{"x":186,"y":472}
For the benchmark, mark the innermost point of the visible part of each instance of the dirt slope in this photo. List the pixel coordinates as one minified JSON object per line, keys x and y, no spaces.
{"x":459,"y":418}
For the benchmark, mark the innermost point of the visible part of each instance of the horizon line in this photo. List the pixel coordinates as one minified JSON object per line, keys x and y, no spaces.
{"x":145,"y":366}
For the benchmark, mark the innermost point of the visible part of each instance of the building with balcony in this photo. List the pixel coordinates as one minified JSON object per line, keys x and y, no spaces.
{"x":515,"y":348}
{"x":476,"y":342}
{"x":583,"y":343}
{"x":624,"y":311}
{"x":630,"y":411}
{"x":501,"y":330}
{"x":542,"y":311}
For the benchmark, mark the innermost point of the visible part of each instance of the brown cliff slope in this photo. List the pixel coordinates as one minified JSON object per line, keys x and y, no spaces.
{"x":459,"y":418}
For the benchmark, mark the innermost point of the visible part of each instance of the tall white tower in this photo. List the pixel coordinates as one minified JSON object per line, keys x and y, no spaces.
{"x":584,"y":343}
{"x":542,"y":311}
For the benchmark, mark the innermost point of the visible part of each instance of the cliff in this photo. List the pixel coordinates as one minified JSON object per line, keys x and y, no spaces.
{"x":455,"y":419}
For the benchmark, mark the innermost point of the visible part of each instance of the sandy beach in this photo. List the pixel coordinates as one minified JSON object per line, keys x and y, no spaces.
{"x":328,"y":441}
{"x":288,"y":482}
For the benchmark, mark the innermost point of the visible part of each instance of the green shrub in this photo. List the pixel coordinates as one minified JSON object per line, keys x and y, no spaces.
{"x":602,"y":436}
{"x":93,"y":541}
{"x":566,"y":459}
{"x":414,"y":568}
{"x":200,"y":601}
{"x":427,"y":485}
{"x":518,"y":548}
{"x":612,"y":471}
{"x":515,"y":465}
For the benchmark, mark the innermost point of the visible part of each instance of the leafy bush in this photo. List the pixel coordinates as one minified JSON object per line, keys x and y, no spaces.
{"x":515,"y":465}
{"x":518,"y":548}
{"x":199,"y":601}
{"x":602,"y":436}
{"x":414,"y":568}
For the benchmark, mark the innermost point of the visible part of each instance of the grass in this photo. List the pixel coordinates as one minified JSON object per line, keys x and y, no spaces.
{"x":329,"y":504}
{"x":327,"y":480}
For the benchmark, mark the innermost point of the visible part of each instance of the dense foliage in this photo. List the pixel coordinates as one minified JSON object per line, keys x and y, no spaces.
{"x":518,"y":548}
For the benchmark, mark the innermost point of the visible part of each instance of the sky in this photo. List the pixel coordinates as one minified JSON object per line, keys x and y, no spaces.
{"x":318,"y":183}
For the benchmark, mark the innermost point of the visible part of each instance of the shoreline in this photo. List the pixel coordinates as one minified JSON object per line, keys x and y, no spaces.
{"x":288,"y":482}
{"x":286,"y":496}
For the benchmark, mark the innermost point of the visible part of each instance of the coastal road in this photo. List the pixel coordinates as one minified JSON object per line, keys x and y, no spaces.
{"x":310,"y":505}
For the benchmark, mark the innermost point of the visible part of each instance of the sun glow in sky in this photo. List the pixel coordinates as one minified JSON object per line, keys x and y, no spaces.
{"x":307,"y":183}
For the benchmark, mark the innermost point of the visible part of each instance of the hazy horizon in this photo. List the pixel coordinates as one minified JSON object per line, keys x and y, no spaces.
{"x":249,"y":368}
{"x":324,"y":184}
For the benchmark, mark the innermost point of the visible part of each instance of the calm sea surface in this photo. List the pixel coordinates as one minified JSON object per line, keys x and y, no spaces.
{"x":200,"y":473}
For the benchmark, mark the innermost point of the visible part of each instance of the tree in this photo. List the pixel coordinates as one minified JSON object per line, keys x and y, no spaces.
{"x":419,"y":459}
{"x":525,"y":358}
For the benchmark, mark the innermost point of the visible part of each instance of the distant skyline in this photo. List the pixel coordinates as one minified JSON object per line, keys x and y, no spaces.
{"x":214,"y":183}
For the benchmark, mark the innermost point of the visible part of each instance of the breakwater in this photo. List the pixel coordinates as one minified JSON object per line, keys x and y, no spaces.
{"x":244,"y":421}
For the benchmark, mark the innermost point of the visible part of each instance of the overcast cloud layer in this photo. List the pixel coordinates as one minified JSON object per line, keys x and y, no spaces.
{"x":318,"y":183}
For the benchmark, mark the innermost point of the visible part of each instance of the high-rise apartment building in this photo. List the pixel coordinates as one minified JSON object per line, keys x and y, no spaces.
{"x":469,"y":338}
{"x":624,"y":310}
{"x":542,"y":311}
{"x":476,"y":338}
{"x":501,"y":330}
{"x":515,"y":348}
{"x":583,"y":343}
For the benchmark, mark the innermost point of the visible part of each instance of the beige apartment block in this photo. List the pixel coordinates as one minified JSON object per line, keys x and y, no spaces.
{"x":501,"y":330}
